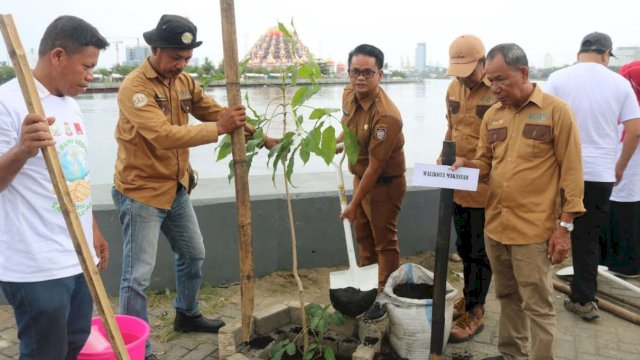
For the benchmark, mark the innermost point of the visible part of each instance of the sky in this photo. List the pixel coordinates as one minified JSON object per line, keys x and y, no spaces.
{"x":331,"y":28}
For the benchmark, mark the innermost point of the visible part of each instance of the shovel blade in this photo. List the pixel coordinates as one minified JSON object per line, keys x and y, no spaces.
{"x":364,"y":278}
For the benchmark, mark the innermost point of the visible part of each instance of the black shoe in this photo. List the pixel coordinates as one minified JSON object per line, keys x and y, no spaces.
{"x":151,"y":357}
{"x":185,"y":324}
{"x":375,"y":313}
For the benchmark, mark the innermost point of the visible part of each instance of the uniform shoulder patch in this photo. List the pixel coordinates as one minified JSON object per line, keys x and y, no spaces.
{"x":139,"y":100}
{"x":381,"y":133}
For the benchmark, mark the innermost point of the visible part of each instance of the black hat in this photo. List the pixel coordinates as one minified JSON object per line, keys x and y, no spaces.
{"x":173,"y":31}
{"x":596,"y":41}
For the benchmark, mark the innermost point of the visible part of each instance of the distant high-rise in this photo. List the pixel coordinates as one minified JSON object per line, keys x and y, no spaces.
{"x":421,"y":57}
{"x":135,"y":55}
{"x":624,"y":55}
{"x":548,"y":61}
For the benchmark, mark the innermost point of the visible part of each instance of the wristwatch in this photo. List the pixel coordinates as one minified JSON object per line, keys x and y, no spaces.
{"x":566,"y":225}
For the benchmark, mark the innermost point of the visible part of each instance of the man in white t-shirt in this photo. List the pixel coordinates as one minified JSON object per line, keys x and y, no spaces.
{"x":599,"y":98}
{"x":40,"y":274}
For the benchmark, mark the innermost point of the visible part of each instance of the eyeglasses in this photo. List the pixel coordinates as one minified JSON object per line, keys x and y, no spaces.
{"x":367,"y":73}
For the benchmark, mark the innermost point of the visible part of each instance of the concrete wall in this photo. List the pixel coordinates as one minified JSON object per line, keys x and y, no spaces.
{"x":319,"y":232}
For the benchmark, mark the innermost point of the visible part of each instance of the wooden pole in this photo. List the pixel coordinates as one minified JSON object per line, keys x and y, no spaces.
{"x":442,"y":255}
{"x":68,"y":208}
{"x":241,"y":171}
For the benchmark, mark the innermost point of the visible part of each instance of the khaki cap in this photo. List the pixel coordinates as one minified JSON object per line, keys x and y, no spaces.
{"x":464,"y":53}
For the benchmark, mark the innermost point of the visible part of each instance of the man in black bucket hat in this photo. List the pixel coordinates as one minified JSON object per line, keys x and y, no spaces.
{"x":151,"y":174}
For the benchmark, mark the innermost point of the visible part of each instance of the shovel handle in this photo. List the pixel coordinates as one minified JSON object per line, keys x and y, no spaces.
{"x":351,"y":254}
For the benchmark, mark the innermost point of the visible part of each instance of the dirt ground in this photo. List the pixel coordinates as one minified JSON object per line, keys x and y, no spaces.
{"x":280,"y":287}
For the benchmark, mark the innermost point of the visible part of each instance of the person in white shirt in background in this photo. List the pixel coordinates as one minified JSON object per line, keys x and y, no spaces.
{"x":599,"y":98}
{"x":623,"y":257}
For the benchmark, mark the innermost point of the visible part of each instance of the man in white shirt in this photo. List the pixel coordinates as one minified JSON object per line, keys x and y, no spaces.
{"x":599,"y":98}
{"x":40,"y":274}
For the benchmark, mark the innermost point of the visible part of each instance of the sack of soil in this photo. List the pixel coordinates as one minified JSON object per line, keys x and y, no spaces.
{"x":408,"y":295}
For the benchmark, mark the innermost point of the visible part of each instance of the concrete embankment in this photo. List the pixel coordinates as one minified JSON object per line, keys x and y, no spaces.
{"x":319,"y":232}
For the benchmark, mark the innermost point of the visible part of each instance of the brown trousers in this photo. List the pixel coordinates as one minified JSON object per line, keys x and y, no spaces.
{"x":376,"y":226}
{"x":523,"y":285}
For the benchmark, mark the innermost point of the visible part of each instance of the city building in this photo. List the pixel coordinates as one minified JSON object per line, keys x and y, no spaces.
{"x":548,"y":61}
{"x":421,"y":57}
{"x":135,"y":55}
{"x":624,"y":55}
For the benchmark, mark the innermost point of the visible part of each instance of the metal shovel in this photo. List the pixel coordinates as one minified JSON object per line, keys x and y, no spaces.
{"x":604,"y":271}
{"x":354,"y":290}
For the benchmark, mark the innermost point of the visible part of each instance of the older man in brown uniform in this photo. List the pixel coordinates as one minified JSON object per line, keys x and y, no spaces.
{"x":468,"y":98}
{"x":529,"y":146}
{"x":379,"y":184}
{"x":151,"y":178}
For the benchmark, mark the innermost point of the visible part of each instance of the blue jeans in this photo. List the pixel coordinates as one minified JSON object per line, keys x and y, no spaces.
{"x":53,"y":316}
{"x":141,"y":229}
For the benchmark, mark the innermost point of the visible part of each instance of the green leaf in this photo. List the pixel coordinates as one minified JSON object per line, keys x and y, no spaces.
{"x":313,"y":309}
{"x":291,"y":349}
{"x":231,"y":170}
{"x":315,"y":136}
{"x":283,"y":29}
{"x":305,"y":152}
{"x":314,"y":322}
{"x":224,"y":147}
{"x":303,"y":94}
{"x":318,"y":113}
{"x":351,"y":144}
{"x":305,"y":70}
{"x":290,"y":165}
{"x":328,"y":354}
{"x":308,"y":355}
{"x":322,"y":326}
{"x":328,"y":146}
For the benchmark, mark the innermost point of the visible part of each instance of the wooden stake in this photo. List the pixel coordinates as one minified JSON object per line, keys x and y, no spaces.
{"x":32,"y":99}
{"x":241,"y":172}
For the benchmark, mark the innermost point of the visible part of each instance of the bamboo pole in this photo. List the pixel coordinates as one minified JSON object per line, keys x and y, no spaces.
{"x":32,"y":99}
{"x":604,"y":305}
{"x":442,"y":254}
{"x":241,"y":172}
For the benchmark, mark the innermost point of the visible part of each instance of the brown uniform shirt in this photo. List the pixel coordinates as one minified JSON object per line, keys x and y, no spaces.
{"x":533,"y":159}
{"x":376,"y":121}
{"x":465,"y":109}
{"x":153,"y":134}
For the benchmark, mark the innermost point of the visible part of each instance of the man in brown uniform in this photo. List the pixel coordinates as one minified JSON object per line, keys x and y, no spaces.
{"x":529,"y":147}
{"x":379,"y":184}
{"x":468,"y":98}
{"x":151,"y":175}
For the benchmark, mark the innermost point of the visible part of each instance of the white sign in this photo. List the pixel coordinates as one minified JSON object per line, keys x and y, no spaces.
{"x":440,"y":176}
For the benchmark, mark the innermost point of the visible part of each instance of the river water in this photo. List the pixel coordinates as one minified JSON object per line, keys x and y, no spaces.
{"x":421,"y":105}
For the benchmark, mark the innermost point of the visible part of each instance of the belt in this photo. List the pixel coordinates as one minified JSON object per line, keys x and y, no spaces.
{"x":384,"y":179}
{"x":387,"y":179}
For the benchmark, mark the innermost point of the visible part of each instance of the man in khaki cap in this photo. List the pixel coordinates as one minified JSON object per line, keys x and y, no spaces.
{"x":468,"y":98}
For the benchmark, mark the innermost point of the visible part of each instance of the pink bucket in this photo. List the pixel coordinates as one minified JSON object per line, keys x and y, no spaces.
{"x":135,"y":333}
